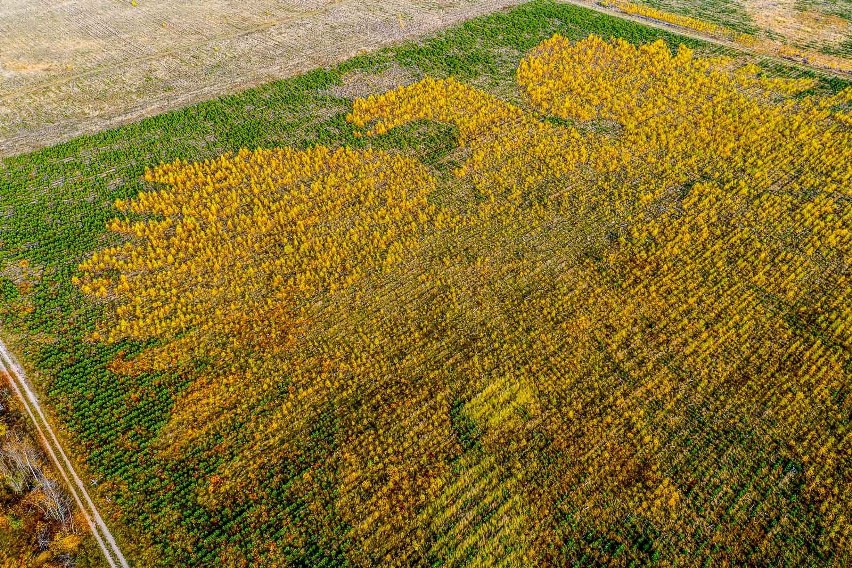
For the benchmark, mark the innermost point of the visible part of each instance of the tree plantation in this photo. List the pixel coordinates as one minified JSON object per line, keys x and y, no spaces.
{"x":609,"y":323}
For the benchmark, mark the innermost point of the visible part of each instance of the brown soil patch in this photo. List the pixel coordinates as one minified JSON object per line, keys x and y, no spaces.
{"x":359,"y":84}
{"x":25,"y":66}
{"x":70,"y":68}
{"x":800,"y":27}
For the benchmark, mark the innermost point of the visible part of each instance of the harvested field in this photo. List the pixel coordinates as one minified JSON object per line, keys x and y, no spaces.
{"x":70,"y":68}
{"x":785,"y":18}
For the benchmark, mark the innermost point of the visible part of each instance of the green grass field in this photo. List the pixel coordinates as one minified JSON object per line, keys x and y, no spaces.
{"x":54,"y":206}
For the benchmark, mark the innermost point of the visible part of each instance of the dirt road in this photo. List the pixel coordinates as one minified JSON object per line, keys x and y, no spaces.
{"x":50,"y":443}
{"x":763,"y":50}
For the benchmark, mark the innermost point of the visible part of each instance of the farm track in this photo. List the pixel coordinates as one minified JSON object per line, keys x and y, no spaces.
{"x":650,"y":22}
{"x":51,"y":445}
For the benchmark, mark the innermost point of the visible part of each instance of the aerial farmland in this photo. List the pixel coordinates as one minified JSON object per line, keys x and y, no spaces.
{"x":474,"y":283}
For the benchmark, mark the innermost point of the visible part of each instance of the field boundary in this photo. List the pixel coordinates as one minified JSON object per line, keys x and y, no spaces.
{"x":50,"y":443}
{"x":48,"y":126}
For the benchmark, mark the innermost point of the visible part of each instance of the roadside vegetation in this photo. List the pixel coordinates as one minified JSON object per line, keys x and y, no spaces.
{"x":39,"y":527}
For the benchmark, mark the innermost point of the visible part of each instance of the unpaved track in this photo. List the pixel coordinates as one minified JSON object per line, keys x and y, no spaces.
{"x":75,"y":67}
{"x":50,"y":443}
{"x":650,"y":22}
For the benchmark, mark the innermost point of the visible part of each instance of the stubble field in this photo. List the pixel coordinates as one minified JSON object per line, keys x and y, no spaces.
{"x":71,"y":68}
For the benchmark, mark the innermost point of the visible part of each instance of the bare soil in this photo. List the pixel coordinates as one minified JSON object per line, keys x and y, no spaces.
{"x":357,"y":84}
{"x":798,"y":26}
{"x":73,"y":67}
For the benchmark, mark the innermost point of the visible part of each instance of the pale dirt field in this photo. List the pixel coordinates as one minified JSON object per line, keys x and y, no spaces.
{"x":798,"y":26}
{"x":70,"y":67}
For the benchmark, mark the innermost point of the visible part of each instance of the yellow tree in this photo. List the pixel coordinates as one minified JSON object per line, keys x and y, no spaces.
{"x":501,"y":377}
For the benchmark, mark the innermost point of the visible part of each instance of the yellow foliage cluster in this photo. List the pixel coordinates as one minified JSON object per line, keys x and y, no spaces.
{"x":527,"y":153}
{"x":676,"y":19}
{"x":650,"y":303}
{"x":244,"y":240}
{"x":684,"y":119}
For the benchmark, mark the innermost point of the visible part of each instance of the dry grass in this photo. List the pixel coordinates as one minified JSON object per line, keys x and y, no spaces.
{"x":358,"y":84}
{"x":69,"y":68}
{"x":798,"y":26}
